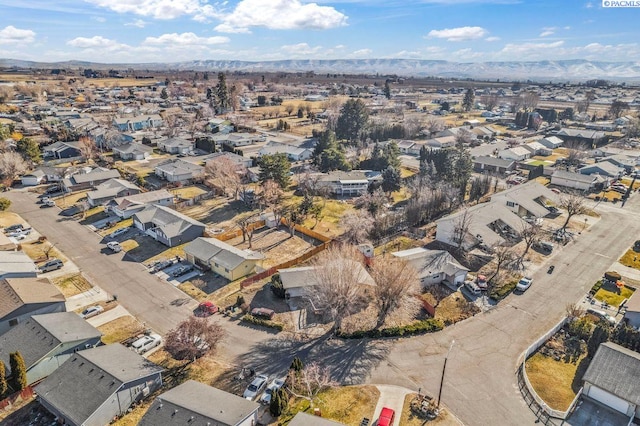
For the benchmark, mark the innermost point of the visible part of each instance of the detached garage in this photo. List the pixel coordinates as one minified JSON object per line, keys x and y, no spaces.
{"x":613,"y":379}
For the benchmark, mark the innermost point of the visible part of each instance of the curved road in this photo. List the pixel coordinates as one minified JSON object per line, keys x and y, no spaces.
{"x":480,"y":385}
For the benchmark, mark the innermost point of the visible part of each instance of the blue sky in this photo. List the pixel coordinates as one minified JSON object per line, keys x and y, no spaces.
{"x":455,"y":30}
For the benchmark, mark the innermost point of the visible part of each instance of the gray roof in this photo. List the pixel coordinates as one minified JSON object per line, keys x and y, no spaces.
{"x":304,"y":419}
{"x":176,"y":142}
{"x":95,"y":175}
{"x":304,"y":276}
{"x":171,"y":222}
{"x":604,"y":166}
{"x":16,"y":262}
{"x":429,"y":262}
{"x":493,"y":161}
{"x":111,"y":188}
{"x":179,"y":167}
{"x":616,"y":370}
{"x":133,"y":147}
{"x":142,"y":198}
{"x":581,"y":133}
{"x":577,"y":177}
{"x":89,"y":378}
{"x":198,"y":404}
{"x":40,"y":334}
{"x":212,"y":249}
{"x":16,"y":292}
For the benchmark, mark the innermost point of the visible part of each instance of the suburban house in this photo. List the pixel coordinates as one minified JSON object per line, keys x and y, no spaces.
{"x":127,"y":206}
{"x":96,"y":385}
{"x":297,"y":281}
{"x":109,"y":190}
{"x":536,"y":148}
{"x":82,"y":181}
{"x":551,"y":142}
{"x":632,"y":313}
{"x":167,"y":225}
{"x":304,"y":419}
{"x":47,"y":341}
{"x":239,"y":160}
{"x":132,"y":151}
{"x":20,"y":298}
{"x":178,"y":170}
{"x":603,"y":168}
{"x":441,"y":142}
{"x":141,"y":122}
{"x":175,"y":145}
{"x":493,"y":165}
{"x":61,"y":149}
{"x":238,"y":139}
{"x":530,"y":199}
{"x":222,"y":258}
{"x":43,"y":174}
{"x":578,"y":181}
{"x":346,"y":184}
{"x":194,"y":403}
{"x":16,"y":264}
{"x":293,"y":153}
{"x":434,"y":266}
{"x":517,"y":153}
{"x":405,"y":146}
{"x":620,"y":160}
{"x":585,"y":136}
{"x":219,"y":125}
{"x":612,"y":379}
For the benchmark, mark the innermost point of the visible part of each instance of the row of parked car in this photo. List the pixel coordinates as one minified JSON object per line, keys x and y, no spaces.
{"x":259,"y":384}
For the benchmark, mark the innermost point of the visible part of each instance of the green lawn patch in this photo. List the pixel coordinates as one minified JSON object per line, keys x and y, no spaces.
{"x":631,"y":259}
{"x":613,"y":295}
{"x":499,"y":292}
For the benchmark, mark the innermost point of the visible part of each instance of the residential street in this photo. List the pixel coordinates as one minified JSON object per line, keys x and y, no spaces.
{"x":480,"y":384}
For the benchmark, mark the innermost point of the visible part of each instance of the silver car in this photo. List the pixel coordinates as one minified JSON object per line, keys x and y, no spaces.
{"x":255,"y":387}
{"x":270,"y":390}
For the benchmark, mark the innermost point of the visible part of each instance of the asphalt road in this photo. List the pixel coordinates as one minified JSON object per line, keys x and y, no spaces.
{"x":480,"y":384}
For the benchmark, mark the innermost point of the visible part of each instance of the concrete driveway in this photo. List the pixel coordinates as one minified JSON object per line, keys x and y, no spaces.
{"x":390,"y":397}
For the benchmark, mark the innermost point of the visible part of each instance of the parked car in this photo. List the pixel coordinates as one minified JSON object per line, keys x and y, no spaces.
{"x":92,"y":311}
{"x":51,"y":265}
{"x":181,"y":270}
{"x":263,"y":313}
{"x":49,"y":203}
{"x":270,"y":390}
{"x":159,"y":266}
{"x":602,"y":315}
{"x":472,"y":287}
{"x":481,"y":282}
{"x":636,"y":245}
{"x":53,"y":189}
{"x":619,"y":189}
{"x":23,"y":231}
{"x":118,"y":232}
{"x":114,"y":246}
{"x":387,"y":415}
{"x":205,"y":309}
{"x":255,"y":387}
{"x":524,"y":283}
{"x":14,"y":227}
{"x":146,"y":343}
{"x":44,"y":199}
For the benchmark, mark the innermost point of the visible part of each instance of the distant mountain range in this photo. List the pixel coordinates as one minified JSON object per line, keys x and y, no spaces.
{"x":567,"y":70}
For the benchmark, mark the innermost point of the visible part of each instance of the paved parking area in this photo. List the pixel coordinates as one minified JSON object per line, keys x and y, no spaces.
{"x":591,"y":413}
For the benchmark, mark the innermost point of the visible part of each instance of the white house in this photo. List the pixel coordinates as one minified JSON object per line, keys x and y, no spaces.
{"x":517,"y":153}
{"x":551,"y":142}
{"x":536,"y":148}
{"x":434,"y":266}
{"x":577,"y":180}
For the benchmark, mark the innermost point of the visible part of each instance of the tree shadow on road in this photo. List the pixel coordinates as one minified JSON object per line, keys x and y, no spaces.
{"x":349,"y":361}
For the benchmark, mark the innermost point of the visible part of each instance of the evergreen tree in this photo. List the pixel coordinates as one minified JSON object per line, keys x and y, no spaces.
{"x":461,"y":166}
{"x":18,"y":379}
{"x":222,"y":93}
{"x":163,"y":94}
{"x":296,"y":365}
{"x":600,"y":335}
{"x":275,"y":167}
{"x":352,"y":120}
{"x":392,"y":155}
{"x":278,"y":402}
{"x":3,"y":381}
{"x":29,"y":149}
{"x":387,"y":90}
{"x":469,"y":99}
{"x":391,"y":179}
{"x":328,"y":155}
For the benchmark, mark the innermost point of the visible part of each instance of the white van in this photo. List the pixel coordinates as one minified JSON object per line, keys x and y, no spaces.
{"x":146,"y":343}
{"x":472,"y":287}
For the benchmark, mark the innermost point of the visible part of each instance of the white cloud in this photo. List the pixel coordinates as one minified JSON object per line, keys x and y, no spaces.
{"x":547,"y":31}
{"x":92,"y":42}
{"x":161,"y":9}
{"x":280,"y":15}
{"x":530,"y":51}
{"x":300,"y":49}
{"x":13,"y":35}
{"x":137,"y":23}
{"x":459,"y":34}
{"x":99,"y":18}
{"x":492,"y":38}
{"x":184,"y":39}
{"x":361,"y":53}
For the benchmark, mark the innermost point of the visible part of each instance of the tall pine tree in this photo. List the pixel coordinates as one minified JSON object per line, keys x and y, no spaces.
{"x":18,"y":372}
{"x":469,"y":99}
{"x":3,"y":380}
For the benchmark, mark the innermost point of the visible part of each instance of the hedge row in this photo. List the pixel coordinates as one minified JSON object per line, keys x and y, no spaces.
{"x":419,"y":327}
{"x":262,"y":322}
{"x":595,"y":287}
{"x":499,"y":293}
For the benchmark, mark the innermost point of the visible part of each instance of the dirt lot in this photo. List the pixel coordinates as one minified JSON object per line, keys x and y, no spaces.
{"x":217,"y":212}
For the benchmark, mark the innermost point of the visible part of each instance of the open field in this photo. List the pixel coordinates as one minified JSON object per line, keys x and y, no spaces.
{"x":71,"y":285}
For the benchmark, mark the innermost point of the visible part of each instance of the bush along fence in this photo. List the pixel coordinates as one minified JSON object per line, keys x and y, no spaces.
{"x":418,"y":327}
{"x":262,"y":322}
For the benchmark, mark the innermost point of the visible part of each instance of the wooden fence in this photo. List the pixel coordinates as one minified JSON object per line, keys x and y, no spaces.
{"x":229,"y":235}
{"x":24,"y":394}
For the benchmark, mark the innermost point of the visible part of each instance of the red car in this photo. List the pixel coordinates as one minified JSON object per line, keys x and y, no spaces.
{"x":386,"y":417}
{"x":205,"y":309}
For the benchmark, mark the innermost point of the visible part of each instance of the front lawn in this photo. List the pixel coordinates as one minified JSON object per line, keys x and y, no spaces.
{"x":631,"y":259}
{"x":68,"y":200}
{"x":554,"y":381}
{"x":408,"y":418}
{"x":71,"y":285}
{"x":613,"y":295}
{"x":193,"y":291}
{"x":122,"y":224}
{"x":346,"y":404}
{"x":188,"y":192}
{"x":120,"y":329}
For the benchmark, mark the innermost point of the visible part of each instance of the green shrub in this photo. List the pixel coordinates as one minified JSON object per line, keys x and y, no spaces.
{"x":596,"y":287}
{"x":262,"y":322}
{"x":419,"y":327}
{"x":580,"y":328}
{"x":498,"y":293}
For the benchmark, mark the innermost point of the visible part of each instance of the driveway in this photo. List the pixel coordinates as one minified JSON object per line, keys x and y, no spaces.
{"x":391,"y":397}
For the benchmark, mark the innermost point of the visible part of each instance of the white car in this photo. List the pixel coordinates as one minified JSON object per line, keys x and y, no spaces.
{"x":524,"y":283}
{"x":92,"y":311}
{"x":255,"y":387}
{"x":114,"y":246}
{"x":146,"y":343}
{"x":270,"y":390}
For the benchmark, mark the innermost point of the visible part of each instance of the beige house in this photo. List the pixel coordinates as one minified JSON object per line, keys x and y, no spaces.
{"x":222,"y":258}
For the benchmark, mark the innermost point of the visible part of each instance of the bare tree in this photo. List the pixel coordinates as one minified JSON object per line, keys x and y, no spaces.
{"x":225,"y":174}
{"x":531,"y":234}
{"x":88,"y":148}
{"x":574,"y":205}
{"x":575,"y":153}
{"x":309,"y":382}
{"x":338,"y":277}
{"x":530,"y":100}
{"x":357,"y":226}
{"x":582,"y":106}
{"x":193,"y":338}
{"x":47,"y":248}
{"x":396,"y":285}
{"x":574,"y":310}
{"x":12,"y":165}
{"x":411,"y":127}
{"x":433,"y":125}
{"x":503,"y":255}
{"x":490,"y":101}
{"x":247,"y":224}
{"x":461,"y":229}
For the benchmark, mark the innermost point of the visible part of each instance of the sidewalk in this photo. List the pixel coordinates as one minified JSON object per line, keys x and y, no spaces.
{"x":110,"y":315}
{"x":96,"y":294}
